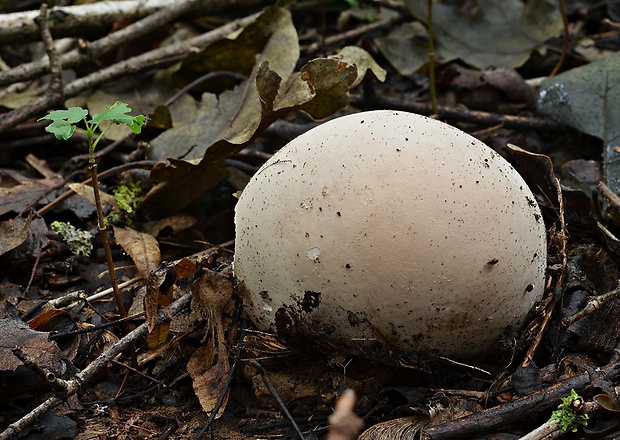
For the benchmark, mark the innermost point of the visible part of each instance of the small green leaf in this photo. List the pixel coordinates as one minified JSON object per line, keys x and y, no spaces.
{"x":117,"y":113}
{"x":72,"y":115}
{"x":63,"y":121}
{"x":137,"y":123}
{"x":61,"y":129}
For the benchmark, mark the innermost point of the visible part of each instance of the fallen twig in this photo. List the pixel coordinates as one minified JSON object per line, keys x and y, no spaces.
{"x":492,"y":418}
{"x":459,"y":114}
{"x":133,"y":65}
{"x":73,"y":385}
{"x":76,"y":57}
{"x":78,"y":20}
{"x":546,"y":431}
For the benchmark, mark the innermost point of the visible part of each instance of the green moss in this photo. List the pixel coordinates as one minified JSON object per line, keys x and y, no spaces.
{"x":128,"y":195}
{"x":77,"y":239}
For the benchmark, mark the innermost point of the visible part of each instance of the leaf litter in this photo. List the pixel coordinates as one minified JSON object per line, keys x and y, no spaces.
{"x":179,"y":239}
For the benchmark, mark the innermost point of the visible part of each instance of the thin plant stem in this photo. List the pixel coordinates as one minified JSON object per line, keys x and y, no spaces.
{"x":92,"y":165}
{"x":431,"y":55}
{"x":104,"y":239}
{"x":566,"y":42}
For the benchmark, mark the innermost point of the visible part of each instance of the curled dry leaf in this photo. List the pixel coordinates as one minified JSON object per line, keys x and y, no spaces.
{"x":13,"y":233}
{"x":235,"y":114}
{"x":209,"y":365}
{"x":160,"y":287}
{"x":222,"y":124}
{"x":142,"y":248}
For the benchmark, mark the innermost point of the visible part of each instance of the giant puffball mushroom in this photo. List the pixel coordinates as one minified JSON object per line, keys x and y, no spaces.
{"x":392,"y":236}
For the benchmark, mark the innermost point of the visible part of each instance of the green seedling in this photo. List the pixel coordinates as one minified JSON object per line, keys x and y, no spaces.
{"x":63,"y":126}
{"x":77,"y":239}
{"x":64,"y":122}
{"x":566,"y":414}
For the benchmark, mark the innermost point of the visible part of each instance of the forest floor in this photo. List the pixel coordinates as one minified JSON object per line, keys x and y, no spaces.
{"x":180,"y":358}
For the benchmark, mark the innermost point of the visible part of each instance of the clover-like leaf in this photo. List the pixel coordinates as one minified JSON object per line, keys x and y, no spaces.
{"x":63,"y":121}
{"x":117,"y":113}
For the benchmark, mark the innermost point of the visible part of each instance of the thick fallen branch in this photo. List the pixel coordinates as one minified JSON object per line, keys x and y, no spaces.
{"x":92,"y":19}
{"x":73,"y":385}
{"x":76,"y":57}
{"x":127,"y":67}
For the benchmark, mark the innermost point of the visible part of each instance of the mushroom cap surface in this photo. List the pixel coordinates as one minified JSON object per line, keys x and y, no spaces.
{"x":389,"y":235}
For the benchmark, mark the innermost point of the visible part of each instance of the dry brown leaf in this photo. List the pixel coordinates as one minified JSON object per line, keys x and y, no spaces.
{"x":13,"y":233}
{"x":19,"y":197}
{"x":160,"y":286}
{"x":159,"y":289}
{"x":142,"y":248}
{"x":16,"y":333}
{"x":86,"y":192}
{"x":209,"y":369}
{"x":212,"y":292}
{"x":209,"y":376}
{"x":169,"y":226}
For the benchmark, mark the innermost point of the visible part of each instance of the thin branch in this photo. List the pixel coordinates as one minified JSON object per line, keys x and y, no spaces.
{"x":595,"y":303}
{"x":509,"y":413}
{"x":91,"y":371}
{"x":54,"y":90}
{"x":97,"y":17}
{"x":276,"y":396}
{"x":566,"y":40}
{"x":134,"y":65}
{"x":459,"y":114}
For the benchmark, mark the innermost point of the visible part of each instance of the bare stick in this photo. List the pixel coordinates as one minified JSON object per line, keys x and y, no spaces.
{"x":134,"y":65}
{"x":87,"y":374}
{"x":459,"y":114}
{"x":276,"y":396}
{"x":594,"y":304}
{"x":511,"y":412}
{"x":35,"y":69}
{"x":95,"y":18}
{"x":546,"y":431}
{"x":54,"y":90}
